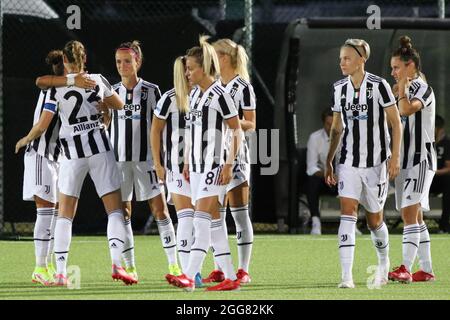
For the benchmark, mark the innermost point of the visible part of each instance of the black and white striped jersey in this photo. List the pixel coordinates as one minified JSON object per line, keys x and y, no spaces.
{"x":174,"y":133}
{"x":365,"y":142}
{"x":244,"y":99}
{"x":47,"y":145}
{"x":81,"y":133}
{"x":418,"y":128}
{"x":130,"y":128}
{"x":208,"y":111}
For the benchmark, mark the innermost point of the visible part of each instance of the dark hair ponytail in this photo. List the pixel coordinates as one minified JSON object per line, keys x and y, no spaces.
{"x":407,"y":53}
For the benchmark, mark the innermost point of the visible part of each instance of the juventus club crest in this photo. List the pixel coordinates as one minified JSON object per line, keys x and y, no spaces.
{"x":144,"y":94}
{"x":369,"y":93}
{"x":233,"y":91}
{"x":208,"y":100}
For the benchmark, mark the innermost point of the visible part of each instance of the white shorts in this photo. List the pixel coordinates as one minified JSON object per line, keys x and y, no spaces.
{"x":101,"y":167}
{"x":412,"y":186}
{"x":141,"y":177}
{"x":241,"y":174}
{"x":367,"y":185}
{"x":177,"y":184}
{"x":40,"y":178}
{"x":206,"y":184}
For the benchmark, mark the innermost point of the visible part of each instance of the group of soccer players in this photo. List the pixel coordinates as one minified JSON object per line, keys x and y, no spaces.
{"x":364,"y":105}
{"x":118,"y":133}
{"x":205,"y":167}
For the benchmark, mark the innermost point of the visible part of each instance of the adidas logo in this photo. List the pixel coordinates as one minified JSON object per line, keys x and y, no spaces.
{"x":235,"y":177}
{"x":408,"y":197}
{"x":61,"y":258}
{"x":205,"y":189}
{"x":154,"y":188}
{"x":113,"y":245}
{"x":343,"y":96}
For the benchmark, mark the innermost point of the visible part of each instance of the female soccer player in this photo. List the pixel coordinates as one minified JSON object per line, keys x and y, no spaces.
{"x":169,"y":123}
{"x":416,"y":103}
{"x":362,"y":103}
{"x":86,"y":149}
{"x":41,"y":171}
{"x":129,"y":133}
{"x":235,"y":80}
{"x":211,"y":110}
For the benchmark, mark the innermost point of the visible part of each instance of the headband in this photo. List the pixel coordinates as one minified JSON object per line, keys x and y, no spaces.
{"x":129,"y":49}
{"x":354,"y":47}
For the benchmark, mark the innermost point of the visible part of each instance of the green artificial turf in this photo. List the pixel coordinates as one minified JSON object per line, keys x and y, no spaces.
{"x":283,"y":267}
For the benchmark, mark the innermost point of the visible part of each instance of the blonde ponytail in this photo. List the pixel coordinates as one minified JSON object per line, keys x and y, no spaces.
{"x":210,"y":60}
{"x":238,"y":56}
{"x":75,"y":53}
{"x":242,"y":63}
{"x":181,"y":85}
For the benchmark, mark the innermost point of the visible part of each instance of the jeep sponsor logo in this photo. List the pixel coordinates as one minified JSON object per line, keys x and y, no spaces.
{"x":197,"y":113}
{"x":356,"y":107}
{"x":132,"y":107}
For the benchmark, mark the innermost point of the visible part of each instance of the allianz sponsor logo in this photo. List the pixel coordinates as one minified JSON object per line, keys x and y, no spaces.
{"x":85,"y":126}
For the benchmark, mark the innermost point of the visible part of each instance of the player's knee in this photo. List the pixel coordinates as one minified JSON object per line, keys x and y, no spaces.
{"x":41,"y":203}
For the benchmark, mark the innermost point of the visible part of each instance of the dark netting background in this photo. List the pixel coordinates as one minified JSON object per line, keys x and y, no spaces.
{"x":30,"y":29}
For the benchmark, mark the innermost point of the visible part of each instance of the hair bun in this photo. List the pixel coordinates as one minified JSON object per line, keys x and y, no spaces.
{"x":405,"y":42}
{"x":54,"y":57}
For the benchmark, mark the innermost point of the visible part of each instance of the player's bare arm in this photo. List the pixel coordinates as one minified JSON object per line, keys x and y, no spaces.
{"x":406,"y":106}
{"x":249,"y":120}
{"x":335,"y":138}
{"x":155,"y":141}
{"x":81,"y":80}
{"x":114,"y":102}
{"x":235,"y":126}
{"x":38,"y":129}
{"x":393,"y":118}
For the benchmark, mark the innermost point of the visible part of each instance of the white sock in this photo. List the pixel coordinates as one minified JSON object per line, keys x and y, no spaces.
{"x":223,"y":217}
{"x":346,"y":240}
{"x":50,"y":253}
{"x":184,"y":236}
{"x":221,"y":249}
{"x":411,"y":239}
{"x":42,"y":235}
{"x":200,"y":243}
{"x":128,"y":246}
{"x":63,"y":236}
{"x":244,"y":235}
{"x":380,"y":239}
{"x":424,"y":251}
{"x":116,"y":236}
{"x":315,"y":222}
{"x":168,"y":239}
